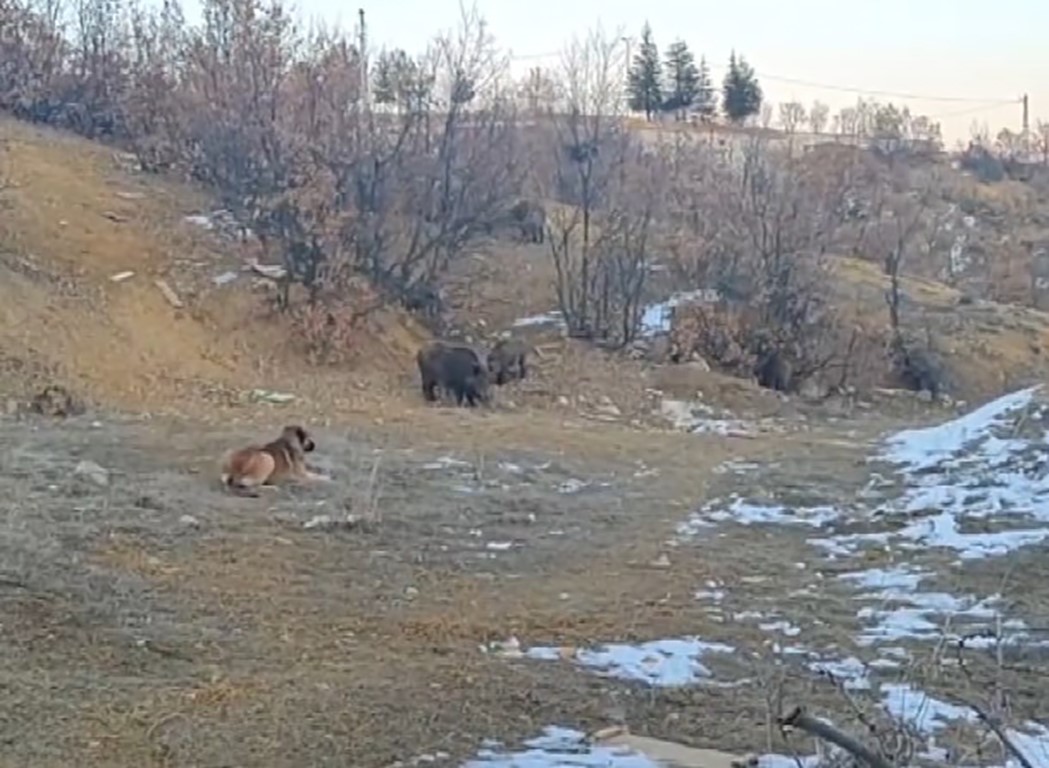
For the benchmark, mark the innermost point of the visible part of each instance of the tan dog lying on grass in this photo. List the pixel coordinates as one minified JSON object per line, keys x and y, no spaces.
{"x":246,"y":469}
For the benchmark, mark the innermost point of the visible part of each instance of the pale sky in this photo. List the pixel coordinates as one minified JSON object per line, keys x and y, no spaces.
{"x":969,"y":54}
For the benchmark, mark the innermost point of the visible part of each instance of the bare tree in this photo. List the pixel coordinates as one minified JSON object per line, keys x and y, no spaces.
{"x":275,"y":120}
{"x":538,"y":92}
{"x":792,"y":116}
{"x":99,"y":44}
{"x":847,"y":121}
{"x":150,"y":105}
{"x":1009,"y":143}
{"x":33,"y":56}
{"x":926,"y":130}
{"x":819,"y":115}
{"x":756,"y":229}
{"x":864,"y":117}
{"x":980,"y":134}
{"x":765,"y":116}
{"x":587,"y":140}
{"x":419,"y":191}
{"x":631,"y":232}
{"x":906,"y":220}
{"x":889,"y":127}
{"x":1042,"y":133}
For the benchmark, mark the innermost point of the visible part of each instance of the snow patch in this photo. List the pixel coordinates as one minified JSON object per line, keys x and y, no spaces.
{"x":743,"y":512}
{"x":929,"y":447}
{"x":973,"y":468}
{"x":699,"y":418}
{"x":656,"y":318}
{"x":659,"y":663}
{"x":446,"y":462}
{"x":200,"y":220}
{"x":558,"y":747}
{"x":888,"y":582}
{"x":547,"y":318}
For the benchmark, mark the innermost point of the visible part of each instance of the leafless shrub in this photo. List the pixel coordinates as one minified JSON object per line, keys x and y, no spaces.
{"x":755,"y":227}
{"x":905,"y":220}
{"x":611,"y":187}
{"x":274,"y":119}
{"x":585,"y":141}
{"x":33,"y":55}
{"x":865,"y":731}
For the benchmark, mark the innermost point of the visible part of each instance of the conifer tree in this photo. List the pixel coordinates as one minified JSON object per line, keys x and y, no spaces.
{"x":706,"y":100}
{"x":398,"y":80}
{"x":392,"y":78}
{"x":682,"y":76}
{"x":384,"y":85}
{"x":645,"y":75}
{"x":741,"y":91}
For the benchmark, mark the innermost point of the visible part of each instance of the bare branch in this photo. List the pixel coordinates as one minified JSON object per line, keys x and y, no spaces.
{"x":800,"y":719}
{"x":1003,"y":737}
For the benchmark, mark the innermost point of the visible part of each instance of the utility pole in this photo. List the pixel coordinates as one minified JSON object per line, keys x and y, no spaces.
{"x":363,"y":44}
{"x":626,"y":70}
{"x":1025,"y":135}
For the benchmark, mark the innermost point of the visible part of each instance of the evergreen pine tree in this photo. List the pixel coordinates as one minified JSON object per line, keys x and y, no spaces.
{"x":682,"y":84}
{"x":643,"y":79}
{"x":384,"y":85}
{"x":741,"y":91}
{"x":397,"y":80}
{"x":706,"y":103}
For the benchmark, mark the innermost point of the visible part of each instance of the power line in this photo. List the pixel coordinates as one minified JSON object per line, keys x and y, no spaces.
{"x":869,"y":92}
{"x":827,"y":86}
{"x":527,"y":56}
{"x":973,"y":110}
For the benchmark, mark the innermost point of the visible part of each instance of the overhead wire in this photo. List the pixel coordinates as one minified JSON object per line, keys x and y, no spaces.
{"x":872,"y":92}
{"x":975,"y":110}
{"x":981,"y":104}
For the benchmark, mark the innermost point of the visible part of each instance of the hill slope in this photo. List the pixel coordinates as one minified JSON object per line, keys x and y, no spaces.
{"x":75,"y":216}
{"x":74,"y":219}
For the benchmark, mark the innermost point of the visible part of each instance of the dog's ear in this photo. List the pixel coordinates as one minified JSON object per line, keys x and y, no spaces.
{"x":304,"y":439}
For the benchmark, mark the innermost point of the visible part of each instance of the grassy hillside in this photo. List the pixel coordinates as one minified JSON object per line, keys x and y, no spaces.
{"x":75,"y":218}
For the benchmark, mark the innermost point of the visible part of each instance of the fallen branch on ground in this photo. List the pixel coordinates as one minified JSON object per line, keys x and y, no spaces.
{"x":800,"y":719}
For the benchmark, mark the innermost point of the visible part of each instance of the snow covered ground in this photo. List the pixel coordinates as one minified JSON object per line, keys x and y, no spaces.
{"x":967,"y":491}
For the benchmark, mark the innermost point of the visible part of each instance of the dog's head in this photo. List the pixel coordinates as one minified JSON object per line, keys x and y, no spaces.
{"x":296,"y":435}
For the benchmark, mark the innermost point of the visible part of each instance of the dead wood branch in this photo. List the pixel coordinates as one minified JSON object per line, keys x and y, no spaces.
{"x":992,"y":722}
{"x":800,"y":719}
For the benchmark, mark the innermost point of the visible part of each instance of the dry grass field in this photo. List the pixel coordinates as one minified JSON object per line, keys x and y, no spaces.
{"x":149,"y":619}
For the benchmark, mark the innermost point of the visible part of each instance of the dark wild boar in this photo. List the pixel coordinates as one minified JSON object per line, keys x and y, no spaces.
{"x":530,"y":216}
{"x":455,"y":368}
{"x":508,"y":360}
